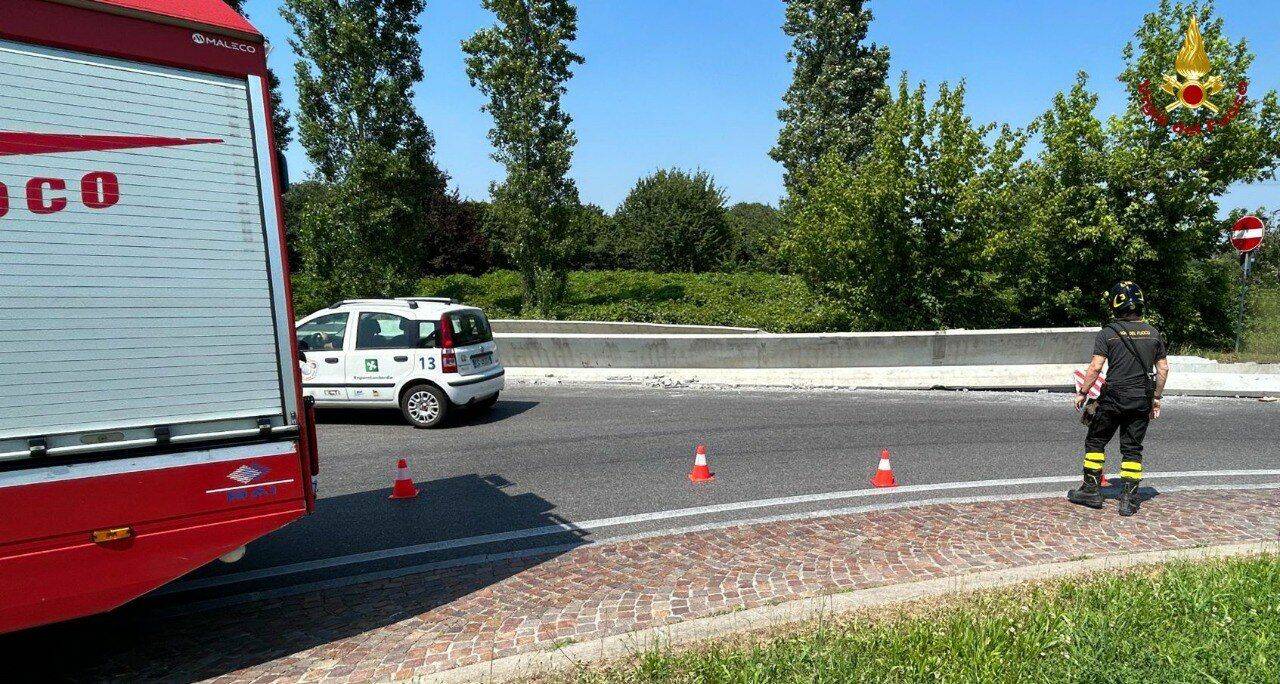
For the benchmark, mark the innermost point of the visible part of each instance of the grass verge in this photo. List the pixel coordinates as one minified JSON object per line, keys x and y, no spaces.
{"x":1210,"y":621}
{"x":1261,"y":342}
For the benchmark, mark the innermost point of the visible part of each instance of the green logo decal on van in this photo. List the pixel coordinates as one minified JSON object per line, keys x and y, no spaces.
{"x":371,"y":365}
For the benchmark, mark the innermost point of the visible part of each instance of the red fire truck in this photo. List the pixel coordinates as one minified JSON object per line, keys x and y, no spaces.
{"x":151,"y":419}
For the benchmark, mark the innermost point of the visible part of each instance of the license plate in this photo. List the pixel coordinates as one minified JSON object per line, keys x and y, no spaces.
{"x":478,"y":360}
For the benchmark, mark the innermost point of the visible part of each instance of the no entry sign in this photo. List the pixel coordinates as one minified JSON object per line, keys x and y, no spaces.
{"x":1246,"y":235}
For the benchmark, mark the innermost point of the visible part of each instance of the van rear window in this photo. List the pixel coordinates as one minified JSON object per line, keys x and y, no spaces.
{"x":470,"y":327}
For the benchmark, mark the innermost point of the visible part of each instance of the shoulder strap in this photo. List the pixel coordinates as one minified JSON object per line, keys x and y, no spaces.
{"x":1128,"y":344}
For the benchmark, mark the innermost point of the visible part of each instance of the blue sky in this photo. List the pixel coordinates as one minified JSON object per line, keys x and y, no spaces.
{"x":697,"y":83}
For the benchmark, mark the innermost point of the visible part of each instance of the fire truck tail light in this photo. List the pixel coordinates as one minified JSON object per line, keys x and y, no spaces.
{"x":111,"y":534}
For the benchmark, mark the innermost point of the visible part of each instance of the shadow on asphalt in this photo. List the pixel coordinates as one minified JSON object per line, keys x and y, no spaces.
{"x":461,"y":417}
{"x":446,"y":509}
{"x":145,"y":642}
{"x":1112,"y":491}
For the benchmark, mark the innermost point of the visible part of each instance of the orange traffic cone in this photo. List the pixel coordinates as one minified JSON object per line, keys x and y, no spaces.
{"x":1102,"y":480}
{"x":403,"y":488}
{"x":700,"y":472}
{"x":884,"y":472}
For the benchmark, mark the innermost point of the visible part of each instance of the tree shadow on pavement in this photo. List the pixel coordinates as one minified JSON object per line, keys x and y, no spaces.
{"x":151,"y":640}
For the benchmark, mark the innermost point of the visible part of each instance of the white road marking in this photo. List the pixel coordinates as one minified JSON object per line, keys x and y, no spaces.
{"x":592,"y":525}
{"x":339,"y":582}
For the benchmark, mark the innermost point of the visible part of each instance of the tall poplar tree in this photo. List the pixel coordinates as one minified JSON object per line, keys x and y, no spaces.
{"x":380,"y":212}
{"x":522,"y":64}
{"x":837,"y":88}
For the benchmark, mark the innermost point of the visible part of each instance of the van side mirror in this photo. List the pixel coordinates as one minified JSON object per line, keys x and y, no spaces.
{"x":282,"y":168}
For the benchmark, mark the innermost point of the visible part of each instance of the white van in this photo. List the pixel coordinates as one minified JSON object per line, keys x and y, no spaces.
{"x":426,"y":355}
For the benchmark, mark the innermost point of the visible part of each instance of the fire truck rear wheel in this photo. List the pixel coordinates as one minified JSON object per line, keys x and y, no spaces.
{"x":425,"y":406}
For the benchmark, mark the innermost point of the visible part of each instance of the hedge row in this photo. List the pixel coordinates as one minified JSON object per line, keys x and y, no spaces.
{"x":772,"y":302}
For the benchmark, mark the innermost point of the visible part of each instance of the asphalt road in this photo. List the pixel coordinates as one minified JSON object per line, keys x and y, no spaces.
{"x":581,"y":455}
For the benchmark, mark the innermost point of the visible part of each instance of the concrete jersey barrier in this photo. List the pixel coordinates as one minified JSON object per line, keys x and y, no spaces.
{"x":507,"y":326}
{"x":825,"y":350}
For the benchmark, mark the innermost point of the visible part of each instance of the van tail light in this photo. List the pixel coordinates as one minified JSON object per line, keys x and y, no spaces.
{"x":446,"y":332}
{"x":448,"y":360}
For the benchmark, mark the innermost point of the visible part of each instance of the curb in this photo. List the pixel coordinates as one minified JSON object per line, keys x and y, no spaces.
{"x":827,"y":606}
{"x":1188,"y":381}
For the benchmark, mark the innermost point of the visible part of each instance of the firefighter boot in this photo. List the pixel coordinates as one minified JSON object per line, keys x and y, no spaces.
{"x":1129,"y":498}
{"x":1088,"y":494}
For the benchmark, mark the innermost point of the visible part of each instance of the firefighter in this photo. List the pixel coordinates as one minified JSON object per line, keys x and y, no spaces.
{"x":1130,"y":347}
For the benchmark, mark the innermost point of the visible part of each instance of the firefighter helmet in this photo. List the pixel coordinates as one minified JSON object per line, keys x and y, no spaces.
{"x":1125,"y":299}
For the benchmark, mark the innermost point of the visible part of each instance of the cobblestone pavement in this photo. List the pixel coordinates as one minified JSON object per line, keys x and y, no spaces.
{"x":397,"y":628}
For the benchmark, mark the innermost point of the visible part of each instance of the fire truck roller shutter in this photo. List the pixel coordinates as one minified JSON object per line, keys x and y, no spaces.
{"x":136,"y":265}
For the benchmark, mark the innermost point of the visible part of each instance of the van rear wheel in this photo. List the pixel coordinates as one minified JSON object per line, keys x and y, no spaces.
{"x":424,"y":406}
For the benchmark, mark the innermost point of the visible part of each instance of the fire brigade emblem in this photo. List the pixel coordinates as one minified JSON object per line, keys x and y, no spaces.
{"x":1192,"y":88}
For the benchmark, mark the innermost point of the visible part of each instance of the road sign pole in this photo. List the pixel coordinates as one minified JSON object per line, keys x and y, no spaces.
{"x":1246,"y":236}
{"x":1244,"y":295}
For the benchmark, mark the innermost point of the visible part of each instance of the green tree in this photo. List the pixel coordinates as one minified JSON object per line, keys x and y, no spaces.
{"x":596,"y":240}
{"x":944,"y":224}
{"x":280,"y":122}
{"x":757,"y":229}
{"x":999,"y":199}
{"x":522,"y":64}
{"x":381,"y":216}
{"x":837,"y":88}
{"x":358,"y":63}
{"x":674,"y":220}
{"x":902,"y":239}
{"x":1074,"y":240}
{"x":1164,"y":188}
{"x":949,"y":204}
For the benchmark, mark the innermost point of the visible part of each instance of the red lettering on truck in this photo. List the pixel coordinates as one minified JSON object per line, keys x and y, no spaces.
{"x":99,"y":189}
{"x":38,"y":203}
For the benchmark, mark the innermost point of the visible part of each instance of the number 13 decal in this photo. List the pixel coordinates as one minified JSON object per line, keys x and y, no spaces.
{"x":427,"y":362}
